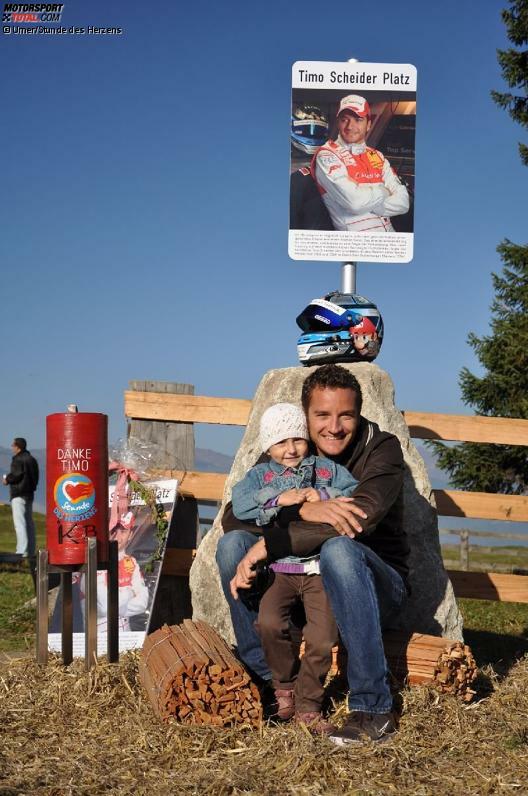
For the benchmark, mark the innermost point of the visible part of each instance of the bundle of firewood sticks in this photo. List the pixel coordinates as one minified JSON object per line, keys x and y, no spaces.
{"x":447,"y":665}
{"x":190,"y":673}
{"x":418,"y":659}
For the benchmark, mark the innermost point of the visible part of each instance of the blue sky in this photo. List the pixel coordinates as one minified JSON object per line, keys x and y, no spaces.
{"x":145,"y":201}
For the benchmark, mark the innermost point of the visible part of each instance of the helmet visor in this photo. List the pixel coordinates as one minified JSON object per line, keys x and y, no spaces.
{"x":314,"y":131}
{"x":322,"y":316}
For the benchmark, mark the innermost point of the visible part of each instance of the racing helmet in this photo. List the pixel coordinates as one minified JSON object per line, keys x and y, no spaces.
{"x":309,"y":128}
{"x":341,"y":327}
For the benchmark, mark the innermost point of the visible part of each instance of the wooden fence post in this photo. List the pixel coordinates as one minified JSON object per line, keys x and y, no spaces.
{"x":464,"y":550}
{"x":174,"y":443}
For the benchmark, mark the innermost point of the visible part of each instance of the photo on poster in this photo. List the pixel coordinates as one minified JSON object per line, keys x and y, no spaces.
{"x":352,"y":162}
{"x":140,"y":559}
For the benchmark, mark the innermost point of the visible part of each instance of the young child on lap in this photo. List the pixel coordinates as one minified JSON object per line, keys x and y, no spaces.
{"x":293,"y":476}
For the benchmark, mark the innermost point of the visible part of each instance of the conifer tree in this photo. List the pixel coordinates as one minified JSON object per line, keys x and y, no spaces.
{"x":503,"y":389}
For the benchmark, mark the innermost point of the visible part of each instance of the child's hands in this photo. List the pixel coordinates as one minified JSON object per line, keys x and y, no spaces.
{"x":312,"y":495}
{"x":293,"y":497}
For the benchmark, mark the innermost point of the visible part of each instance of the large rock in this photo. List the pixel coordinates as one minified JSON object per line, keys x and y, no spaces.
{"x":431,"y":607}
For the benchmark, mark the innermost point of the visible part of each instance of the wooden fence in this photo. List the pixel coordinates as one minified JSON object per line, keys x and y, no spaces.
{"x":209,"y":487}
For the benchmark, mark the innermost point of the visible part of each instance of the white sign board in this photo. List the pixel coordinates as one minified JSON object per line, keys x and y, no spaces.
{"x":138,"y":543}
{"x":352,"y":162}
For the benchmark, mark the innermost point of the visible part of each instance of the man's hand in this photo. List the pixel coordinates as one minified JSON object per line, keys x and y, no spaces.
{"x":246,"y":569}
{"x":339,"y":512}
{"x":291,"y":497}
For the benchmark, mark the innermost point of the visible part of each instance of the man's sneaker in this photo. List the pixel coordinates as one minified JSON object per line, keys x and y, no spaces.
{"x":315,"y":723}
{"x":360,"y":727}
{"x":285,"y":704}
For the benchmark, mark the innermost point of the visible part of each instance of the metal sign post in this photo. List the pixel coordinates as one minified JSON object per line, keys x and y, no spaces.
{"x":348,"y":278}
{"x":90,"y":606}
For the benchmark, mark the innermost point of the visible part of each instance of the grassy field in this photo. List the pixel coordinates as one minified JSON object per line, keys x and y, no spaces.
{"x":17,"y":622}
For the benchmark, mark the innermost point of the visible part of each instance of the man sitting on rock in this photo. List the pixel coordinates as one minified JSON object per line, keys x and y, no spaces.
{"x":363,"y":549}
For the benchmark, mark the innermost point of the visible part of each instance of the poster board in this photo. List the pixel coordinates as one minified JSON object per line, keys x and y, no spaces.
{"x":138,"y":542}
{"x":352,"y":191}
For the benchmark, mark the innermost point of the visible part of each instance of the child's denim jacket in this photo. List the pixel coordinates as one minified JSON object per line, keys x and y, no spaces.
{"x":266,"y":481}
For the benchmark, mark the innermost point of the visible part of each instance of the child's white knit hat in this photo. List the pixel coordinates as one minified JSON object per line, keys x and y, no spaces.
{"x":282,"y":421}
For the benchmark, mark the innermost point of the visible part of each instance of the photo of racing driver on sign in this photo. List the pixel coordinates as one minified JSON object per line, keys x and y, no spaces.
{"x":133,"y":591}
{"x":357,"y":183}
{"x":352,"y":162}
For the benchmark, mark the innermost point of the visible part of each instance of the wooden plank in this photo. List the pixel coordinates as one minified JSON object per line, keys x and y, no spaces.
{"x":497,"y":430}
{"x":187,"y":408}
{"x":475,"y":585}
{"x":177,"y":561}
{"x":450,"y":503}
{"x":490,"y":586}
{"x":481,"y":505}
{"x":235,"y":411}
{"x":202,"y":486}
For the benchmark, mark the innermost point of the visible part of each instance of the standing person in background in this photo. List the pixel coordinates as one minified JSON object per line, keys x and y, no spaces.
{"x":22,"y":481}
{"x":356,"y":182}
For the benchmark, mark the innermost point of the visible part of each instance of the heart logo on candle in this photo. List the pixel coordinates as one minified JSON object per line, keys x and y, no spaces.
{"x":77,"y":490}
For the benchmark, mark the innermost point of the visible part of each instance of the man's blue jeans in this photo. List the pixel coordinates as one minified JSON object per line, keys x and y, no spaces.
{"x":366,"y":595}
{"x":232,"y":547}
{"x":22,"y":510}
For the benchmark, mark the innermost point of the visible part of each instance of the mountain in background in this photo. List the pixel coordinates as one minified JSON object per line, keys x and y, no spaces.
{"x":209,"y":461}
